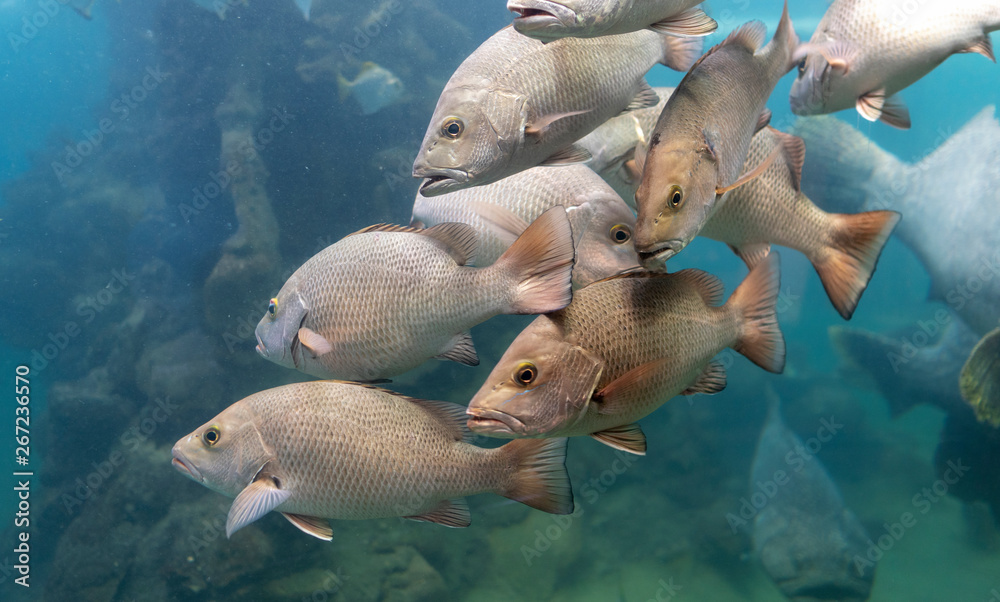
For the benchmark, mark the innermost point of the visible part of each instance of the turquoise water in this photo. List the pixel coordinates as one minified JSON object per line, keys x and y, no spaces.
{"x":132,"y":294}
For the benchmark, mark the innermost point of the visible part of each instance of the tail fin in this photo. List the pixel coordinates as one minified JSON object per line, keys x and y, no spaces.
{"x":844,"y":171}
{"x":539,"y":265}
{"x":681,"y":53}
{"x":849,"y":261}
{"x":754,"y":301}
{"x":540,"y":479}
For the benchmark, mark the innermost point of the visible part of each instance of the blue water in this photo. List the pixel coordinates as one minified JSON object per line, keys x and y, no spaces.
{"x":133,"y":286}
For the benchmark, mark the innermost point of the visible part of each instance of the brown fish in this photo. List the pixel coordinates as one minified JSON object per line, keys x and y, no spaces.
{"x":622,"y":348}
{"x":700,"y":143}
{"x":771,"y":209}
{"x":324,"y":449}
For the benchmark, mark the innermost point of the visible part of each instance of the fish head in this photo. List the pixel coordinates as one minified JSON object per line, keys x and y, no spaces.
{"x":675,"y":198}
{"x":547,"y":19}
{"x":810,"y":93}
{"x":278,"y":330}
{"x":540,"y":387}
{"x":225,"y":453}
{"x":470,"y":139}
{"x":604,"y":226}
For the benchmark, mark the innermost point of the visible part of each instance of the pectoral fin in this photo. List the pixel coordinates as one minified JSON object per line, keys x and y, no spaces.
{"x":628,"y":438}
{"x":450,"y":513}
{"x":618,"y":396}
{"x":839,"y":55}
{"x":313,"y":525}
{"x":256,"y":500}
{"x":538,"y":127}
{"x":875,"y":106}
{"x":750,"y":175}
{"x":314,"y":342}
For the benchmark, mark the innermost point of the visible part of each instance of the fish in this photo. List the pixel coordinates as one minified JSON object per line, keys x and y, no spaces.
{"x":374,"y":88}
{"x":906,"y":375}
{"x":324,"y":450}
{"x":612,"y":146}
{"x":865,"y":51}
{"x":601,"y":221}
{"x":699,"y":146}
{"x":622,"y":348}
{"x":771,"y":209}
{"x":979,"y":381}
{"x":516,"y":103}
{"x":846,"y":172}
{"x":805,"y":537}
{"x":549,"y":20}
{"x":385,"y":299}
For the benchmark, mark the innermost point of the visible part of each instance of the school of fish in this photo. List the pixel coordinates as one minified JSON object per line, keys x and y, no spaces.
{"x":556,"y":181}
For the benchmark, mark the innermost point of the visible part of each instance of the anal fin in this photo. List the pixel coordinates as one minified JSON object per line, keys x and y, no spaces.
{"x":570,"y":155}
{"x":461,"y":350}
{"x":628,"y":438}
{"x":313,"y":525}
{"x":450,"y":513}
{"x":752,"y":253}
{"x":983,"y":47}
{"x":646,"y":97}
{"x":711,"y":380}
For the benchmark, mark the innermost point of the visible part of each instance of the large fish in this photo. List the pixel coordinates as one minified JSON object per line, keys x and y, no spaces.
{"x":602,"y":223}
{"x":865,"y":51}
{"x":699,"y":146}
{"x":612,"y":146}
{"x":624,"y":347}
{"x":549,"y":20}
{"x":516,"y":102}
{"x":959,"y":248}
{"x":771,"y":209}
{"x":332,"y":450}
{"x":385,"y":299}
{"x":805,"y":537}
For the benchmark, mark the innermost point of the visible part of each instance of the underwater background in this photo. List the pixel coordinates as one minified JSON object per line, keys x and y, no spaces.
{"x":135,"y":269}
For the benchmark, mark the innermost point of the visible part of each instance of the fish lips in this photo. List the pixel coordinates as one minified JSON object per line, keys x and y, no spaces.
{"x":494,"y":423}
{"x":440,"y":181}
{"x":655,"y":259}
{"x":184,"y":466}
{"x":539,"y":15}
{"x":261,"y":348}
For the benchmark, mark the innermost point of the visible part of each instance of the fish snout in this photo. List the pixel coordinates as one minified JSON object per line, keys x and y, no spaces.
{"x":261,"y":348}
{"x":494,"y":423}
{"x":183,"y":465}
{"x":536,"y":16}
{"x":653,"y":257}
{"x":439,"y":181}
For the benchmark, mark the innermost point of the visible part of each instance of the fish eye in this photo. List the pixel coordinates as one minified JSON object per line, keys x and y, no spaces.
{"x":525,"y":374}
{"x":802,"y":67}
{"x":211,"y":436}
{"x":453,"y":127}
{"x":676,"y":196}
{"x":621,"y":234}
{"x":272,"y":308}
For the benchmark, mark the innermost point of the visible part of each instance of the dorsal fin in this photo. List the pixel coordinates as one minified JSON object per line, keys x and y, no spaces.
{"x":457,"y":239}
{"x":708,"y":286}
{"x":750,"y":35}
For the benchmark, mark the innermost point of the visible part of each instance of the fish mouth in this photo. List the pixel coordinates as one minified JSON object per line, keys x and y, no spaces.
{"x":184,"y":466}
{"x":440,"y":181}
{"x":540,"y":15}
{"x":261,"y":349}
{"x":655,"y":259}
{"x":493,"y":423}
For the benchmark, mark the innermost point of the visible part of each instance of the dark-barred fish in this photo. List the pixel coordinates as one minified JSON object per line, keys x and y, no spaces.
{"x":332,"y":450}
{"x":516,"y":102}
{"x":771,"y":209}
{"x":700,"y":143}
{"x":549,"y":20}
{"x":621,"y":349}
{"x":865,"y":51}
{"x":602,"y":223}
{"x":387,"y":298}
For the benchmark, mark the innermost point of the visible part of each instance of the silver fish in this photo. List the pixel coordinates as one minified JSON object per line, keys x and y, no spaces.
{"x":374,"y":88}
{"x":865,"y":51}
{"x":516,"y":103}
{"x":549,"y":20}
{"x":804,"y":536}
{"x":612,"y":146}
{"x":602,"y":223}
{"x":700,"y":143}
{"x":333,"y":450}
{"x":382,"y":301}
